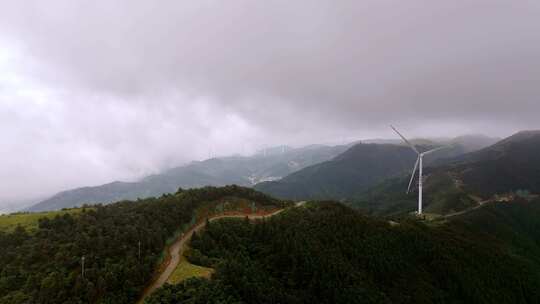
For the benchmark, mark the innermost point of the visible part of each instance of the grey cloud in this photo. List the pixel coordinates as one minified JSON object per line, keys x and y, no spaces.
{"x":182,"y":77}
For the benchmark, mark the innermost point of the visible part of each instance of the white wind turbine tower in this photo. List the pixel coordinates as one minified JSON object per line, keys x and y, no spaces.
{"x":419,"y":163}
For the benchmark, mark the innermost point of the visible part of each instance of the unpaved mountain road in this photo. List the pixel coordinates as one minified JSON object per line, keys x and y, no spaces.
{"x":176,"y":250}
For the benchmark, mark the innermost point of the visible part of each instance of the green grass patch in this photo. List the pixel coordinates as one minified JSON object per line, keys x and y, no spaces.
{"x":29,"y":220}
{"x":186,"y":270}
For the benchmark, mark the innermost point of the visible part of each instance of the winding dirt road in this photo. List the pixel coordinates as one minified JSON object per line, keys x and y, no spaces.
{"x":176,"y":250}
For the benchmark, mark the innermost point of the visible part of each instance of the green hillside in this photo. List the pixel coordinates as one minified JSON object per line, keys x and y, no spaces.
{"x":510,"y":165}
{"x":328,"y":253}
{"x":29,"y":221}
{"x":504,"y":171}
{"x":359,"y":168}
{"x":515,"y":227}
{"x":441,"y":196}
{"x":44,"y":265}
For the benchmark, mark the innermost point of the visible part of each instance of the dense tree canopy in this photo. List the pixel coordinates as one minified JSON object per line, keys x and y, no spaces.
{"x":328,"y":253}
{"x":45,"y":266}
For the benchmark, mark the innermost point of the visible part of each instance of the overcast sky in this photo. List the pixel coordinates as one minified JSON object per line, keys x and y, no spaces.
{"x":95,"y":91}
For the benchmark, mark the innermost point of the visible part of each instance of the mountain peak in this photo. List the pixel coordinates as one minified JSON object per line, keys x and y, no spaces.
{"x":525,"y":134}
{"x":521,"y":137}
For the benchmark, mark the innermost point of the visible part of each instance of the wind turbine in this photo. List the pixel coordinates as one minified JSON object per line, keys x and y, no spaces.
{"x":419,"y":163}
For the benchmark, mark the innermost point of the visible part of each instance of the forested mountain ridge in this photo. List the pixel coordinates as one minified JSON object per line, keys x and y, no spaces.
{"x":466,"y":143}
{"x":273,"y":163}
{"x":362,"y":167}
{"x":514,"y":226}
{"x":328,"y":253}
{"x":45,"y":266}
{"x":501,"y":172}
{"x":510,"y":165}
{"x":359,"y":167}
{"x":268,"y":165}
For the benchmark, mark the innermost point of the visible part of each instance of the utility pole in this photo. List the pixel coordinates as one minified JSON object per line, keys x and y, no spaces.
{"x":82,"y":262}
{"x":139,"y":250}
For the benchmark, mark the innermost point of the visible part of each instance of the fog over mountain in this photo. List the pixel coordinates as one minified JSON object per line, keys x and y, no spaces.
{"x":96,"y":91}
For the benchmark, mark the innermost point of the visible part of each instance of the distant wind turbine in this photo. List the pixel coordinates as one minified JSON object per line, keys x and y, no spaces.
{"x":419,"y":163}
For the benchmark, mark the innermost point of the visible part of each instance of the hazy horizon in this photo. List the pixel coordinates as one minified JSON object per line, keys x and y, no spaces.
{"x":96,"y":92}
{"x":22,"y":202}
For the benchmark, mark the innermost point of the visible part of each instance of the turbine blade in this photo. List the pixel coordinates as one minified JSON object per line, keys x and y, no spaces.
{"x":413,"y":174}
{"x":405,"y":140}
{"x":436,"y":149}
